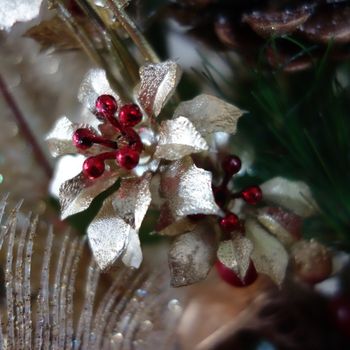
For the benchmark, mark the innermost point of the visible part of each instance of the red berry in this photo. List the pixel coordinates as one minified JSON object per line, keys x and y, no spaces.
{"x":230,"y":222}
{"x":231,"y":277}
{"x":106,"y":105}
{"x":231,"y":165}
{"x":130,"y":115}
{"x":127,"y":158}
{"x":93,"y":167}
{"x":133,"y":138}
{"x":83,"y":138}
{"x":252,"y":195}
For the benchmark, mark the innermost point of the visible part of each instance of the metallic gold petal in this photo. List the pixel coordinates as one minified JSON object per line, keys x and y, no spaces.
{"x":192,"y":255}
{"x":188,"y":189}
{"x":108,"y":236}
{"x":209,"y":114}
{"x":77,"y":193}
{"x":179,"y":138}
{"x":269,"y":256}
{"x":235,"y":254}
{"x":293,"y":195}
{"x":158,"y":83}
{"x":133,"y":253}
{"x":94,"y":84}
{"x":13,"y":11}
{"x":132,"y":200}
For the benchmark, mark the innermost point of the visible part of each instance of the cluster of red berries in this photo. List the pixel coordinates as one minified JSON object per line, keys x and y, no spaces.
{"x":252,"y":195}
{"x":127,"y":156}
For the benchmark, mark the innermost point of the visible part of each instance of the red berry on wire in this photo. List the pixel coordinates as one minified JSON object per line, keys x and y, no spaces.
{"x":252,"y":195}
{"x":130,"y":115}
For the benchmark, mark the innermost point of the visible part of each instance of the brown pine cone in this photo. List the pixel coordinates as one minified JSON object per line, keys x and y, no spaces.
{"x":302,"y":30}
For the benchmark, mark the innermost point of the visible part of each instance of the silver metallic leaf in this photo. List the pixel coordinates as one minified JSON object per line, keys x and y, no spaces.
{"x":235,"y":254}
{"x":168,"y":226}
{"x":293,"y":195}
{"x":179,"y":138}
{"x":59,"y":139}
{"x":192,"y":255}
{"x":132,"y":200}
{"x":77,"y":193}
{"x":94,"y":84}
{"x":66,"y":168}
{"x":269,"y":256}
{"x":209,"y":114}
{"x":188,"y":189}
{"x":158,"y":83}
{"x":108,"y":236}
{"x":133,"y":253}
{"x":12,"y":11}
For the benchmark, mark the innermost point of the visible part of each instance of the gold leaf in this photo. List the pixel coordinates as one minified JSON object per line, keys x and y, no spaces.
{"x":269,"y":256}
{"x":293,"y":195}
{"x":192,"y":255}
{"x":158,"y":83}
{"x":209,"y":114}
{"x":188,"y":189}
{"x":179,"y":138}
{"x":235,"y":254}
{"x":108,"y":236}
{"x":53,"y":33}
{"x":77,"y":193}
{"x":132,"y":200}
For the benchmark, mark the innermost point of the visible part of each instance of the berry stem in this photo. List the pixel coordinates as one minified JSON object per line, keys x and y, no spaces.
{"x":106,"y":155}
{"x":104,"y":142}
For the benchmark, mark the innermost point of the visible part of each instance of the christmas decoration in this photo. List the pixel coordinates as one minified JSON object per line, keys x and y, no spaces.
{"x":136,"y":158}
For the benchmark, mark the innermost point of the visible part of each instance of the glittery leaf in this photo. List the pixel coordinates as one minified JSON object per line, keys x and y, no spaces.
{"x":293,"y":195}
{"x":108,"y":236}
{"x":66,"y":168}
{"x":179,"y":138}
{"x":269,"y":256}
{"x":132,"y":200}
{"x":192,"y":255}
{"x":188,"y":189}
{"x":95,"y":83}
{"x":12,"y":11}
{"x":59,"y":140}
{"x":77,"y":193}
{"x":235,"y":254}
{"x":133,"y":253}
{"x":158,"y":83}
{"x":167,"y":226}
{"x":209,"y":114}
